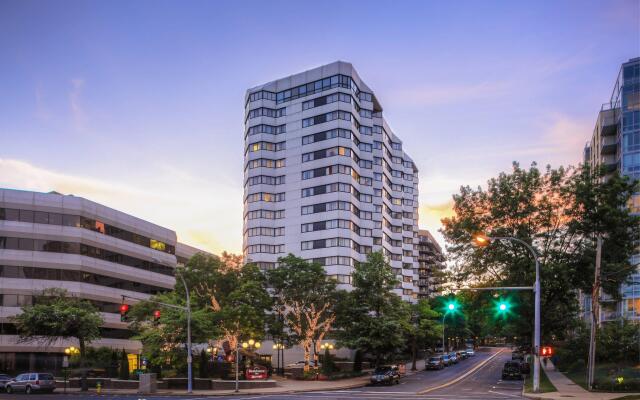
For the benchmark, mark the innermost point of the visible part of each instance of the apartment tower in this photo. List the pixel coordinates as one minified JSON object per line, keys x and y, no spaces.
{"x":326,"y":179}
{"x":615,"y":144}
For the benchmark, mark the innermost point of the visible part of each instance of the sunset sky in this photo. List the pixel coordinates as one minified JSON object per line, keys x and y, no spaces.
{"x":139,"y":104}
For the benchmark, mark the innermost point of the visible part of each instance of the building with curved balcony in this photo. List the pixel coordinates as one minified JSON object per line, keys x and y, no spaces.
{"x":92,"y":251}
{"x":325,"y":177}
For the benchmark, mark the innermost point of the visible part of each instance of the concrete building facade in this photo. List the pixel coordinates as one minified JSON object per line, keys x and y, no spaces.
{"x":90,"y":250}
{"x":326,"y":178}
{"x":430,"y":265}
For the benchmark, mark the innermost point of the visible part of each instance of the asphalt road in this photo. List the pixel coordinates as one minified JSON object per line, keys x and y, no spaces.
{"x":478,"y":384}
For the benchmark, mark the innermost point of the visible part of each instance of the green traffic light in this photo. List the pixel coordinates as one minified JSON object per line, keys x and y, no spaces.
{"x":452,"y":306}
{"x":503,"y":307}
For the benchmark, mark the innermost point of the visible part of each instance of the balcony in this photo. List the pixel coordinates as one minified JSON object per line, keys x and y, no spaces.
{"x":608,"y":121}
{"x":609,"y":145}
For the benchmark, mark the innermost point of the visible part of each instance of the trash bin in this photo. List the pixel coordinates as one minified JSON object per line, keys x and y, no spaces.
{"x":148,"y":383}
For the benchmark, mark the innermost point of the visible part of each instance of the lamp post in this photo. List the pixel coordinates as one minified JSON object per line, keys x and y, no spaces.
{"x":189,"y":355}
{"x":450,"y":307}
{"x":483,"y":240}
{"x":69,"y":351}
{"x":279,"y":346}
{"x":248,"y":345}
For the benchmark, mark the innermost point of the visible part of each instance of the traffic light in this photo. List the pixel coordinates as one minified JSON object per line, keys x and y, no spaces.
{"x":502,"y":307}
{"x":156,"y":317}
{"x":546,"y":351}
{"x":124,"y":310}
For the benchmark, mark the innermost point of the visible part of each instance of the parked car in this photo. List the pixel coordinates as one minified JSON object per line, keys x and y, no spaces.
{"x":297,"y":364}
{"x":510,"y":370}
{"x":435,"y":362}
{"x":3,"y":380}
{"x":517,"y":355}
{"x":387,"y":374}
{"x":462,"y":355}
{"x":447,"y":361}
{"x":31,"y":382}
{"x":470,"y":352}
{"x":454,"y":357}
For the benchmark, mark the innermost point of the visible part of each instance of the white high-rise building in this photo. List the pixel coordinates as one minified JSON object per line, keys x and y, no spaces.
{"x":325,"y":177}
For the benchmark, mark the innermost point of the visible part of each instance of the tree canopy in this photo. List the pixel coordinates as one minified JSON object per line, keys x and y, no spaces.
{"x":305,"y":298}
{"x":559,"y":212}
{"x":56,"y":314}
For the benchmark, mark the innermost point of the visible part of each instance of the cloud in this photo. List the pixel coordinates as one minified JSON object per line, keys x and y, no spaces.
{"x":203,"y":214}
{"x":77,"y":112}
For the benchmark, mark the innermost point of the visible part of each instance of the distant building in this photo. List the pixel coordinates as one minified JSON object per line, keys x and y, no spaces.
{"x":430,"y":265}
{"x":326,"y":179}
{"x":93,"y":251}
{"x":615,"y":143}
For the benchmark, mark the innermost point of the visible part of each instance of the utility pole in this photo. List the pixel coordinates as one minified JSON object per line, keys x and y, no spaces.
{"x":595,"y":314}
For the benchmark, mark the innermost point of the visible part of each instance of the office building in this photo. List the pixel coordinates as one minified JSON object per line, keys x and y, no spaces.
{"x":92,"y":251}
{"x":615,"y":143}
{"x":430,"y":265}
{"x":326,"y":178}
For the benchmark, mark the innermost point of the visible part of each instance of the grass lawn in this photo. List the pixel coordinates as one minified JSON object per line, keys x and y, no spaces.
{"x":545,"y":383}
{"x":605,"y":372}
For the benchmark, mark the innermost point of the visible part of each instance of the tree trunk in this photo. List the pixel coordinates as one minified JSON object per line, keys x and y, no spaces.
{"x":414,"y":353}
{"x":83,"y":384}
{"x":82,"y":351}
{"x":307,"y":356}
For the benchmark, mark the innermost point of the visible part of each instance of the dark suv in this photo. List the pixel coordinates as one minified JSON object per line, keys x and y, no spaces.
{"x":511,"y":370}
{"x":387,"y":374}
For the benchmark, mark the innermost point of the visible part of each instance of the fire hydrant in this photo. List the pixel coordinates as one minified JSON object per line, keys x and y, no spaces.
{"x":98,"y":388}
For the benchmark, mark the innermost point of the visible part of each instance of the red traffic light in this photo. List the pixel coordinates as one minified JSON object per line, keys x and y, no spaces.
{"x":546,"y":351}
{"x":124,"y":308}
{"x":156,"y":314}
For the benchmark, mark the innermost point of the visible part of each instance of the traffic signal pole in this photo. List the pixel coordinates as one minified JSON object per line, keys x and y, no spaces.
{"x":186,"y":309}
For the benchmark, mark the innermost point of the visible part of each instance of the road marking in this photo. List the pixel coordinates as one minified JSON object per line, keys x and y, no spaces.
{"x":458,"y":379}
{"x":505,"y":394}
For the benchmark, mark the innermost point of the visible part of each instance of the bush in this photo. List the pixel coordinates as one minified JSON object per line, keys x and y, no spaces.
{"x":611,"y":385}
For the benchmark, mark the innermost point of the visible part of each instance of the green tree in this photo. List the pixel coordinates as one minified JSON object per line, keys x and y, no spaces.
{"x":372,"y":318}
{"x":124,"y":366}
{"x":559,"y":212}
{"x":55,"y":315}
{"x":227,"y":302}
{"x":202,"y":364}
{"x":306,"y":300}
{"x":424,"y":328}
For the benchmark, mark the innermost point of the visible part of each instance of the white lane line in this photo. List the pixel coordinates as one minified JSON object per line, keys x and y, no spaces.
{"x":505,"y":394}
{"x":468,"y":373}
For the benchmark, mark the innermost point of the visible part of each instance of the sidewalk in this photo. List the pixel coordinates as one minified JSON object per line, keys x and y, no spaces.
{"x":285,"y":386}
{"x":566,"y":388}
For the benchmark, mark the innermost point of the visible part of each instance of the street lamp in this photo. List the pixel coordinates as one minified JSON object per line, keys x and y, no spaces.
{"x":450,"y":307}
{"x":326,"y":346}
{"x":250,"y":344}
{"x":483,"y":241}
{"x":278,"y":347}
{"x":69,"y":351}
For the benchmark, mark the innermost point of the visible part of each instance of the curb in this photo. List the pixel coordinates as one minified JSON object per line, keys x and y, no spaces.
{"x":241,"y":392}
{"x":461,"y":377}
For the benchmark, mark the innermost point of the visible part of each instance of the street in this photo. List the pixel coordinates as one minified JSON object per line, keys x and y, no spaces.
{"x":481,"y":383}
